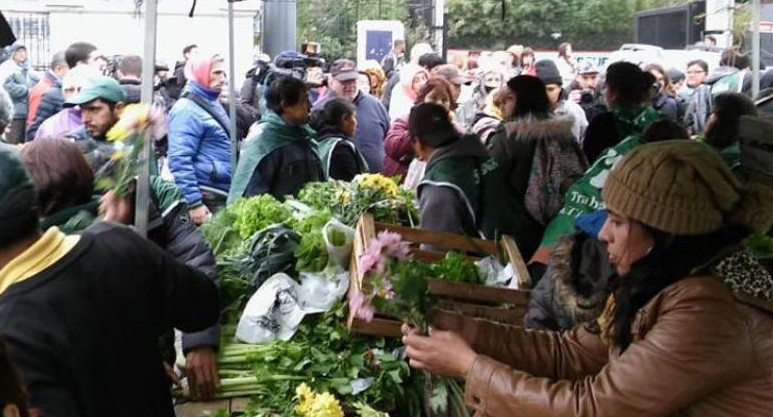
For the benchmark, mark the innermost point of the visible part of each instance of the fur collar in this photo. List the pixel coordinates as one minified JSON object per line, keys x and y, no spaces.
{"x":532,"y":128}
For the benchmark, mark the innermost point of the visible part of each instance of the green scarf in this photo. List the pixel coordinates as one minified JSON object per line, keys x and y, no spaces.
{"x":271,"y":134}
{"x":633,"y":121}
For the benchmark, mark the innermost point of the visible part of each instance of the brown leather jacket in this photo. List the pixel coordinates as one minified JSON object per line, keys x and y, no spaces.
{"x":698,"y":350}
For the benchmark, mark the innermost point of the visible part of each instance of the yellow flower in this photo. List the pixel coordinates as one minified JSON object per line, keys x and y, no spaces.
{"x":118,"y":155}
{"x":378,"y":182}
{"x":305,"y":397}
{"x":326,"y":405}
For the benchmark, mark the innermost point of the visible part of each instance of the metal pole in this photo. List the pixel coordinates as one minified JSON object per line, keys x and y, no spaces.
{"x":756,"y":48}
{"x":148,"y":69}
{"x":439,"y":24}
{"x":232,"y":87}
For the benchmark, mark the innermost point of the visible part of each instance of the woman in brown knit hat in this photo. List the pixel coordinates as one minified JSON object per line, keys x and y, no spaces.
{"x":673,"y":340}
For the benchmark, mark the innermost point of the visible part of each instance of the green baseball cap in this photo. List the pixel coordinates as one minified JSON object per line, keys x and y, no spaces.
{"x":106,"y":88}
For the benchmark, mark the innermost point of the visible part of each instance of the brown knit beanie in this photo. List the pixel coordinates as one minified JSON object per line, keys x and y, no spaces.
{"x":684,"y":188}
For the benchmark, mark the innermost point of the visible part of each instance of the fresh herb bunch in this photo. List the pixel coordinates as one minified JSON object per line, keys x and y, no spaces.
{"x":367,"y":193}
{"x":399,"y":287}
{"x":455,"y":267}
{"x":230,"y":230}
{"x":327,"y":359}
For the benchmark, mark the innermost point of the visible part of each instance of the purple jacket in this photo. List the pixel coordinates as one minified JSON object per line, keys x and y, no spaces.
{"x":67,"y":120}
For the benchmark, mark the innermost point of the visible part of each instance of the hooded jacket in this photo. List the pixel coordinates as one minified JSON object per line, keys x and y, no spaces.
{"x":18,"y":84}
{"x":277,"y":159}
{"x":461,"y":192}
{"x":403,"y":97}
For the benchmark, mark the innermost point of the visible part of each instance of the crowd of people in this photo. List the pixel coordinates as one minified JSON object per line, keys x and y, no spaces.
{"x":624,"y":188}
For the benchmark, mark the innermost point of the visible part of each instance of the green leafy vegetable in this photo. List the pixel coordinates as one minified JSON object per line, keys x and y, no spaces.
{"x":312,"y":253}
{"x":455,"y":267}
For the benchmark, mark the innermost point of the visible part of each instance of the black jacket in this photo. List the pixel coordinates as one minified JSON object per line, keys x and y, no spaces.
{"x":132,"y":89}
{"x":285,"y":171}
{"x":601,"y":135}
{"x":83,"y":332}
{"x":50,"y":104}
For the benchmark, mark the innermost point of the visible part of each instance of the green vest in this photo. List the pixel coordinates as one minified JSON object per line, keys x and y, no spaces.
{"x":479,"y":184}
{"x":326,"y":147}
{"x":729,"y":83}
{"x":731,"y":155}
{"x":271,"y":134}
{"x":584,"y":196}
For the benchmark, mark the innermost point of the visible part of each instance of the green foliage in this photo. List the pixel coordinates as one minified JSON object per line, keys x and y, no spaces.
{"x":761,"y":245}
{"x":587,"y":24}
{"x":324,"y":356}
{"x":230,"y":229}
{"x":455,"y":267}
{"x":312,"y":252}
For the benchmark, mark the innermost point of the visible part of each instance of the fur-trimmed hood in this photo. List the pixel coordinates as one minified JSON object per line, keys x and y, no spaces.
{"x":532,"y":128}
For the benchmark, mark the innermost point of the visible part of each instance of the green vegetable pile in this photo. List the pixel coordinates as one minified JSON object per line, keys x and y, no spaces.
{"x":233,"y":226}
{"x":312,"y":253}
{"x":761,"y":245}
{"x":324,"y":356}
{"x":347,"y":201}
{"x":455,"y":267}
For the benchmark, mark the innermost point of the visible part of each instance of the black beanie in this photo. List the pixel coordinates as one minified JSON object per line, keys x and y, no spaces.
{"x":547,"y":71}
{"x":18,"y":197}
{"x":430,"y":123}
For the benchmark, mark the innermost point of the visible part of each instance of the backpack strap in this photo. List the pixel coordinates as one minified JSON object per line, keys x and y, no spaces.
{"x":207,"y":108}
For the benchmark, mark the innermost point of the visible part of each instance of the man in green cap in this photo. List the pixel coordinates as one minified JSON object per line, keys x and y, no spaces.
{"x":81,"y":314}
{"x":101,"y":102}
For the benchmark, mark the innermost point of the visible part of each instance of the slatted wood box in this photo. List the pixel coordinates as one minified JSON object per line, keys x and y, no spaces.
{"x":503,"y":305}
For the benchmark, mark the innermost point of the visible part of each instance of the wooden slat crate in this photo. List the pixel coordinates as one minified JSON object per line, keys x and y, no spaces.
{"x":499,"y":304}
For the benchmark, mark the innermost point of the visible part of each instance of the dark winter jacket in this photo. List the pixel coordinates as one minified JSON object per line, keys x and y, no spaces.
{"x":461,"y":192}
{"x":340,"y":158}
{"x":277,"y":159}
{"x":199,"y":147}
{"x":50,"y":104}
{"x":83,"y":332}
{"x":666,"y":105}
{"x":169,"y":227}
{"x":575,"y":288}
{"x":372,"y":126}
{"x":252,"y":91}
{"x":132,"y":89}
{"x":391,"y":83}
{"x":246,"y":116}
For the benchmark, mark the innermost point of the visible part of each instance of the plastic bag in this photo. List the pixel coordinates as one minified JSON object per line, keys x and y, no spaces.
{"x":277,"y":308}
{"x":415,"y":174}
{"x":496,"y":275}
{"x":338,"y":255}
{"x":273,"y":312}
{"x":319,"y":292}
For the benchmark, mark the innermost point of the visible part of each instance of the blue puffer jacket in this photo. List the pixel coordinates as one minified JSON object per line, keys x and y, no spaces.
{"x":199,"y":148}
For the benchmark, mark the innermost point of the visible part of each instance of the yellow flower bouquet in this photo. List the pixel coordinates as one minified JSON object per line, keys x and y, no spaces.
{"x":137,"y":126}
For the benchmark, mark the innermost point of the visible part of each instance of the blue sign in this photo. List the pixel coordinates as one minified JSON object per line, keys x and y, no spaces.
{"x":378,"y":43}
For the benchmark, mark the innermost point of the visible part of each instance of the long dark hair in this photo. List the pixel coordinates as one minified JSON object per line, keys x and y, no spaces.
{"x":327,"y":120}
{"x":530,"y":96}
{"x":631,"y":85}
{"x":672,"y":258}
{"x":11,"y":391}
{"x":726,"y":128}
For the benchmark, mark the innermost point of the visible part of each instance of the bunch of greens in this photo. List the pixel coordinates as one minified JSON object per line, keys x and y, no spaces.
{"x":367,"y":193}
{"x":312,"y":252}
{"x":399,"y":287}
{"x":455,"y":267}
{"x":228,"y":231}
{"x":270,"y":251}
{"x":327,"y":359}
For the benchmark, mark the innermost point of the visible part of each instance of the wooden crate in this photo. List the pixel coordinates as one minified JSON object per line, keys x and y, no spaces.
{"x":499,"y":304}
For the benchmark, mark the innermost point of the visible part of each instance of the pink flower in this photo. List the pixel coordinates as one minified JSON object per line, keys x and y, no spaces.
{"x":392,"y":245}
{"x":368,"y":261}
{"x":358,"y":304}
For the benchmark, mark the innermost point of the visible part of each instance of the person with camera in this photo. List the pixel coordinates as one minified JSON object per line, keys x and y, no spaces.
{"x":585,"y":90}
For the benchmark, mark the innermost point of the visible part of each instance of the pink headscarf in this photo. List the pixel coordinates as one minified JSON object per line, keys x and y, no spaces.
{"x":199,"y":70}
